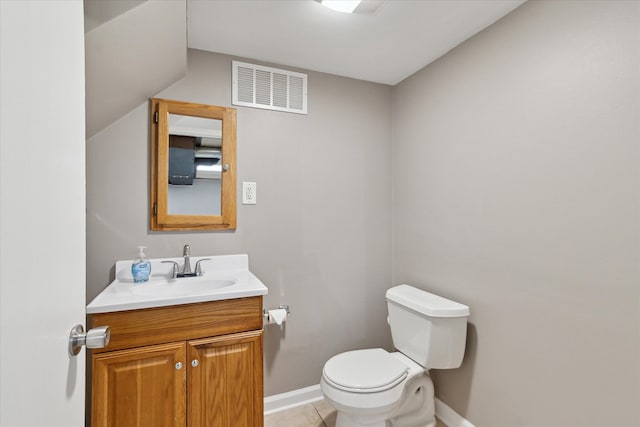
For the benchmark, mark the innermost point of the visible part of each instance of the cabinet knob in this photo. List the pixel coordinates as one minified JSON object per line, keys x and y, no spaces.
{"x":179,"y":365}
{"x":195,"y":363}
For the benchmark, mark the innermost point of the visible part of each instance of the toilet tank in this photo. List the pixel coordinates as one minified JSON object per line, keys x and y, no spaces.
{"x":429,"y":329}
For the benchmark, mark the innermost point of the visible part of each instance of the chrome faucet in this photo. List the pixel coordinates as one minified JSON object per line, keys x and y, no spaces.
{"x":186,"y":267}
{"x":186,"y":254}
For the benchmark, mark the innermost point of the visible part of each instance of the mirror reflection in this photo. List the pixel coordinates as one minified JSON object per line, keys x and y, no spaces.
{"x":195,"y":165}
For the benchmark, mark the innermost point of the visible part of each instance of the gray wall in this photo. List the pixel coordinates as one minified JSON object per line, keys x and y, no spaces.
{"x":319,"y":237}
{"x":515,"y":191}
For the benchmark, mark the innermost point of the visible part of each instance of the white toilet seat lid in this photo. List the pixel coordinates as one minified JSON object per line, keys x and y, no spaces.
{"x":365,"y":371}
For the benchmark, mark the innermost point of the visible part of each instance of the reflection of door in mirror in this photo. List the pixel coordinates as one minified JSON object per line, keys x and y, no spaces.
{"x":195,"y":165}
{"x":193,"y":179}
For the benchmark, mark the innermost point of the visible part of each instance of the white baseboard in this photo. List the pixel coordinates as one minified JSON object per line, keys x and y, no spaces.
{"x":291,"y":399}
{"x":302,"y":396}
{"x":450,"y":417}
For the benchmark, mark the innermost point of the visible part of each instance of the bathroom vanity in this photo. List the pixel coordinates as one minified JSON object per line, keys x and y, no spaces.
{"x":180,"y":360}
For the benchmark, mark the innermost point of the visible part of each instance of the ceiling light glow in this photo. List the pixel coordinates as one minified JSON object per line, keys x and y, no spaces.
{"x":346,"y":6}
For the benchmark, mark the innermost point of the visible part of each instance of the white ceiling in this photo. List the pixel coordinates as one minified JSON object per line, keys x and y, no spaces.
{"x":400,"y":38}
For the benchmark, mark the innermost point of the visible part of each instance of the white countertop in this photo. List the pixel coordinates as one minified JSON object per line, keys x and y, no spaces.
{"x":224,"y":277}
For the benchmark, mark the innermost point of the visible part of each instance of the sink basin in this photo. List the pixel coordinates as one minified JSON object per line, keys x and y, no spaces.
{"x":177,"y":287}
{"x":225,"y":277}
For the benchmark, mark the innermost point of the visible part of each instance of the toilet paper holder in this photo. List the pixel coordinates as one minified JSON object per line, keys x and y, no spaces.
{"x":265,"y":312}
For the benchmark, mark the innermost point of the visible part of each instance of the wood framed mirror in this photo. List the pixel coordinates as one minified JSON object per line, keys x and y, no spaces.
{"x":193,"y":163}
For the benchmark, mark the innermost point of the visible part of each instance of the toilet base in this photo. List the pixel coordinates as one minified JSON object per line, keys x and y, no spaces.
{"x":416,"y":409}
{"x":345,"y":420}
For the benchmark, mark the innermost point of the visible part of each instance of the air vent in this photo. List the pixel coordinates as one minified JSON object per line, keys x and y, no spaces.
{"x":269,"y":88}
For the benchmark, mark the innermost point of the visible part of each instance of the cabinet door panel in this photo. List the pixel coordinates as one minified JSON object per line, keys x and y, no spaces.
{"x":140,"y":387}
{"x":226,"y":387}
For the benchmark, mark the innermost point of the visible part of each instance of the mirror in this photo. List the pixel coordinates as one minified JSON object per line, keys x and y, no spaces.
{"x":192,"y":166}
{"x":195,"y":165}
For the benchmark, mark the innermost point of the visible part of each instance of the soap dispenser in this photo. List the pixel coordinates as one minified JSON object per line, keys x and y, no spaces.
{"x":141,"y":267}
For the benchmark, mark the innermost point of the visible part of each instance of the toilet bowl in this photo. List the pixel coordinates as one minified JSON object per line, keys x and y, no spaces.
{"x":376,"y":388}
{"x":367,"y":387}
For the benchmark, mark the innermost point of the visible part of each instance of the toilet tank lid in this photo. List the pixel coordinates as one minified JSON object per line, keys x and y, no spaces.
{"x":425,"y":302}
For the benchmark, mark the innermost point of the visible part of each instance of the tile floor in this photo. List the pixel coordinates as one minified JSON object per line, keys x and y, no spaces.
{"x":316,"y":414}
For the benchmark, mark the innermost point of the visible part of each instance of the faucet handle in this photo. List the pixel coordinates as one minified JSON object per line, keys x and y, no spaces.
{"x":198,"y":267}
{"x":174,"y":270}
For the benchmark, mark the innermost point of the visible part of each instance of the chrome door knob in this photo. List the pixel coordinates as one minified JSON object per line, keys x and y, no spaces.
{"x":94,"y":338}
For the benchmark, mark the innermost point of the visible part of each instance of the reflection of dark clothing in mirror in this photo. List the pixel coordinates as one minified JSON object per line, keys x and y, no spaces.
{"x":182,"y":151}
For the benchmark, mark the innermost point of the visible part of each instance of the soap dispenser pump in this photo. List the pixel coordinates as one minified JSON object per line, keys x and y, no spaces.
{"x":141,"y":267}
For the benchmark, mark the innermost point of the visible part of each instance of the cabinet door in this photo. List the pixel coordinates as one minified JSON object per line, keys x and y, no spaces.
{"x":225,"y":381}
{"x":141,"y":387}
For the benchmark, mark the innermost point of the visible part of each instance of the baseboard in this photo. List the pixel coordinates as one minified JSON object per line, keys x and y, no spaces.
{"x":450,"y":417}
{"x":291,"y":399}
{"x":302,"y":396}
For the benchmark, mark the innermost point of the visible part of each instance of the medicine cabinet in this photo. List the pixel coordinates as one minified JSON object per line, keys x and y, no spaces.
{"x":193,"y":166}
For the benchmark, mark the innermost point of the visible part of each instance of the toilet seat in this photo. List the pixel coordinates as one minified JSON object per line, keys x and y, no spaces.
{"x":365,"y":371}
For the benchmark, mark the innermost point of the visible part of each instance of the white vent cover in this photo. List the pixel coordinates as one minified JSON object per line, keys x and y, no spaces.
{"x":269,"y":88}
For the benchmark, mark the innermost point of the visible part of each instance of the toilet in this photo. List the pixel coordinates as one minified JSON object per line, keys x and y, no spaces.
{"x":375,"y":388}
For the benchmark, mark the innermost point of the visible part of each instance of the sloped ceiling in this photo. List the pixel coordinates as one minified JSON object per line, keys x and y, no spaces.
{"x":387,"y":46}
{"x":136,"y":48}
{"x":97,"y":12}
{"x":131,"y":53}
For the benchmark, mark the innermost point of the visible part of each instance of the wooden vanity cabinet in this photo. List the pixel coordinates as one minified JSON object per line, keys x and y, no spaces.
{"x":196,"y":365}
{"x":128,"y":385}
{"x":225,"y":381}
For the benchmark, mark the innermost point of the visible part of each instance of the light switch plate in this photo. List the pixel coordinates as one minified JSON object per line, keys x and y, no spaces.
{"x":249,"y":195}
